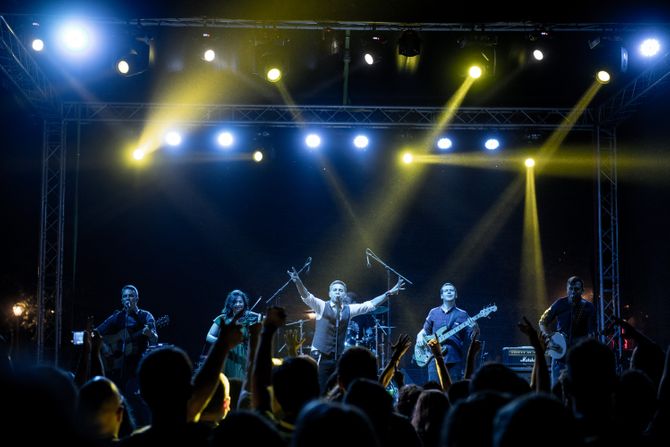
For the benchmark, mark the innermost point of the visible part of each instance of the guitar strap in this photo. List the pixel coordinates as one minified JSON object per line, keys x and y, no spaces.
{"x":577,"y":312}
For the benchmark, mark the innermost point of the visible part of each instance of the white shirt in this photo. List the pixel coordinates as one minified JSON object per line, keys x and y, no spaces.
{"x":355,"y":309}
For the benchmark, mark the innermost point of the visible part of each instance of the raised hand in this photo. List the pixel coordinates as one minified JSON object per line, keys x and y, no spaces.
{"x":534,"y":338}
{"x":435,"y":347}
{"x":400,"y":285}
{"x":293,"y":274}
{"x":230,"y":333}
{"x":401,"y":345}
{"x":293,"y":343}
{"x":275,"y":318}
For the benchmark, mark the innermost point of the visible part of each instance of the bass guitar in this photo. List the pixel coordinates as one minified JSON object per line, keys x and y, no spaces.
{"x":422,"y":353}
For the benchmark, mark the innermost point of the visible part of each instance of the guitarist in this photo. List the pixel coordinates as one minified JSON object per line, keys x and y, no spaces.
{"x":455,"y":347}
{"x":127,"y":333}
{"x":574,"y":317}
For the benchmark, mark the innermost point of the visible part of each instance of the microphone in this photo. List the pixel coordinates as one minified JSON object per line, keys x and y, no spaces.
{"x":308,"y":264}
{"x":126,"y":304}
{"x":367,"y":257}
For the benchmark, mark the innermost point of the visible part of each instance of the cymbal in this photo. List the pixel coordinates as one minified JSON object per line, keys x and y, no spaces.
{"x":380,"y":310}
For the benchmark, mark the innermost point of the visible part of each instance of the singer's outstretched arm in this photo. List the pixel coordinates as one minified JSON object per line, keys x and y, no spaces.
{"x":295,"y":277}
{"x":384,"y":296}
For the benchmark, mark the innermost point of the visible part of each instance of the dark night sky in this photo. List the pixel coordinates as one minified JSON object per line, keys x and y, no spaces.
{"x":186,"y":233}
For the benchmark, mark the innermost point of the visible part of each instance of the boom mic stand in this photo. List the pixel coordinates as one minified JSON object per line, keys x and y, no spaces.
{"x":385,"y":343}
{"x":307,"y":265}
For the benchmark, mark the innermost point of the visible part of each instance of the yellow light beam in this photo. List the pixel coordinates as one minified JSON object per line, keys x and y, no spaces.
{"x":533,"y":285}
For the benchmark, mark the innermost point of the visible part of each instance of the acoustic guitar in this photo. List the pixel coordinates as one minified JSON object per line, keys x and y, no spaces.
{"x":113,"y":345}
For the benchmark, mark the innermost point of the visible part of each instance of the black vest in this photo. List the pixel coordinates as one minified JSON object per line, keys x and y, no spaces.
{"x":324,"y":335}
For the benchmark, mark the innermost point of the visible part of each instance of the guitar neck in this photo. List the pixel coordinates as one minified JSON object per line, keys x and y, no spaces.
{"x":442,"y":337}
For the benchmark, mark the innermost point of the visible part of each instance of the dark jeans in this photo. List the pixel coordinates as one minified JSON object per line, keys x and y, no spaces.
{"x":327,"y":367}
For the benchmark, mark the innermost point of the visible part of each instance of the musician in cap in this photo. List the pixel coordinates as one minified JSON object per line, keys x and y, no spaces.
{"x":332,"y":319}
{"x":573,"y":317}
{"x":441,"y":320}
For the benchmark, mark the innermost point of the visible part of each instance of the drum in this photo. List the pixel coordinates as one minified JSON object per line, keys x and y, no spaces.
{"x":352,"y":338}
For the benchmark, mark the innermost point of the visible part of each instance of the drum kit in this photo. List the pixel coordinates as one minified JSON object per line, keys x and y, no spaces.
{"x":367,"y":336}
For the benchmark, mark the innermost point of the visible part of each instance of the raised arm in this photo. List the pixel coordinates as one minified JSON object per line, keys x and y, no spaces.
{"x":207,"y":378}
{"x":400,"y":285}
{"x":442,"y":371}
{"x":261,"y":376}
{"x":400,"y":347}
{"x":473,"y":349}
{"x":540,"y":379}
{"x":302,"y":290}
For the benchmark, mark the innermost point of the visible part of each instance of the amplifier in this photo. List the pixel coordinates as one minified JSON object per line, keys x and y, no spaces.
{"x":518,"y":356}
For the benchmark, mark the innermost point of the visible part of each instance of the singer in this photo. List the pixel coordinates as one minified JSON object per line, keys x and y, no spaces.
{"x":236,"y":362}
{"x":332,"y":319}
{"x":126,"y":335}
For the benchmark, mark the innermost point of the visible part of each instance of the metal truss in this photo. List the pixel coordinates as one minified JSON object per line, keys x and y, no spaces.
{"x":627,"y":100}
{"x":50,"y":275}
{"x":608,"y":240}
{"x":504,"y":118}
{"x":21,"y":69}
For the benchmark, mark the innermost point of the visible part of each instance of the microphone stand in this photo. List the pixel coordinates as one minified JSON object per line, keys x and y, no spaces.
{"x":308,"y":262}
{"x":370,"y":254}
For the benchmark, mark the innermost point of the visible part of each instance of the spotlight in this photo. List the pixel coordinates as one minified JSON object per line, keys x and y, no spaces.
{"x":137,"y":58}
{"x":650,"y":47}
{"x":475,"y":72}
{"x":225,"y":139}
{"x":538,"y":54}
{"x":207,"y":52}
{"x":209,"y":55}
{"x":258,"y":156}
{"x":479,"y":50}
{"x":373,"y":49}
{"x":529,"y":162}
{"x":173,"y":138}
{"x":313,"y":141}
{"x":271,"y":61}
{"x":409,"y":44}
{"x":603,"y":77}
{"x":37,"y":44}
{"x":75,"y":37}
{"x":361,"y":141}
{"x":407,"y":158}
{"x":138,"y":154}
{"x":444,"y":143}
{"x":492,"y":144}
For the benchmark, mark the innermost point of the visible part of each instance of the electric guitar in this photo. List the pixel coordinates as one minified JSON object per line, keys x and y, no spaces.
{"x":112,"y":348}
{"x":556,"y":346}
{"x":422,"y":353}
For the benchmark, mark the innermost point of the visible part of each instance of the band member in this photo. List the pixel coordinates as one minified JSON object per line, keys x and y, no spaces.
{"x":332,"y":319}
{"x":236,"y":362}
{"x":455,"y":347}
{"x":126,"y":334}
{"x":573,"y":316}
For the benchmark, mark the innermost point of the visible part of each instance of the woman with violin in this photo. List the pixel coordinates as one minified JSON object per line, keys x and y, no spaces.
{"x":236,"y":302}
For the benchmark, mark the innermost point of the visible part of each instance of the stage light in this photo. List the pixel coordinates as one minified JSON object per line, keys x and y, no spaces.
{"x":529,"y":162}
{"x":373,"y":49}
{"x":173,"y":138}
{"x":273,"y":74}
{"x":225,"y":139}
{"x":136,"y":59}
{"x":475,"y":72}
{"x":138,"y":154}
{"x":37,"y":45}
{"x":270,"y":59}
{"x":258,"y":156}
{"x":407,"y":158}
{"x":479,"y":49}
{"x":409,"y":44}
{"x":650,"y":47}
{"x":538,"y":54}
{"x":361,"y":141}
{"x":492,"y":144}
{"x":209,"y":55}
{"x":313,"y":141}
{"x":603,"y":77}
{"x":75,"y":37}
{"x":444,"y":143}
